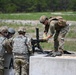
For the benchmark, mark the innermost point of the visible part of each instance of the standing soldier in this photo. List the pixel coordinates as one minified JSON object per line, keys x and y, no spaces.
{"x":4,"y":33}
{"x":8,"y":57}
{"x":9,"y":41}
{"x":21,"y":53}
{"x":58,"y":27}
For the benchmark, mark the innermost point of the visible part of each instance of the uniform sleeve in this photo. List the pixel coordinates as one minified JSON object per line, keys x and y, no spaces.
{"x":8,"y":45}
{"x":28,"y":42}
{"x":46,"y":28}
{"x":52,"y":27}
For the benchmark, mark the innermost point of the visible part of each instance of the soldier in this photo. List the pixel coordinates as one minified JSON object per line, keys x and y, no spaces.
{"x":57,"y":27}
{"x":4,"y":33}
{"x":20,"y":51}
{"x":9,"y":40}
{"x":8,"y":57}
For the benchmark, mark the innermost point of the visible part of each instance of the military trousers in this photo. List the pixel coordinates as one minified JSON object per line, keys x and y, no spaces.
{"x":21,"y":65}
{"x":1,"y":66}
{"x":59,"y":38}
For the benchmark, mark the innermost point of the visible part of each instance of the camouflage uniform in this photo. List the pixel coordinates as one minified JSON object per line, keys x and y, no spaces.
{"x":9,"y":40}
{"x":21,"y":55}
{"x":57,"y":27}
{"x":2,"y":56}
{"x":8,"y":56}
{"x":8,"y":45}
{"x":3,"y":31}
{"x":60,"y":32}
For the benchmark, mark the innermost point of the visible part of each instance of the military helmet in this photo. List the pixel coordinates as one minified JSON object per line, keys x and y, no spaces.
{"x":4,"y":29}
{"x":11,"y":30}
{"x":22,"y":29}
{"x":42,"y":18}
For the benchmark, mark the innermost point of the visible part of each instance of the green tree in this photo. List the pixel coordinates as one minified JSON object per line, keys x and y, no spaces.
{"x":73,"y":5}
{"x":39,"y":5}
{"x":9,"y":6}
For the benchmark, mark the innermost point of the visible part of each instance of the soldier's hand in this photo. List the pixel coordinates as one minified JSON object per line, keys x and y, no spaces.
{"x":45,"y":36}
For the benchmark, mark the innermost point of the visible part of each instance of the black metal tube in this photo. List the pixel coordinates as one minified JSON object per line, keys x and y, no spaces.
{"x":37,"y":36}
{"x":37,"y":33}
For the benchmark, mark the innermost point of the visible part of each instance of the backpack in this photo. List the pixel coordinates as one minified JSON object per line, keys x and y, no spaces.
{"x":61,"y":21}
{"x":19,"y":45}
{"x":2,"y":49}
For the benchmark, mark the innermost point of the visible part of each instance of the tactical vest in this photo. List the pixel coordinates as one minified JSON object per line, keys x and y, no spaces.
{"x":2,"y":48}
{"x":19,"y":45}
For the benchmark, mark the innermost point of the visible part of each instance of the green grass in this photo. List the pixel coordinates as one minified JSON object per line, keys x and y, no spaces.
{"x":72,"y":32}
{"x":23,"y":16}
{"x":47,"y":46}
{"x":70,"y":45}
{"x":36,"y":16}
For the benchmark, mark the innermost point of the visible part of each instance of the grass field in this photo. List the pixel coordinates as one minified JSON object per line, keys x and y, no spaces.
{"x":36,"y":16}
{"x":72,"y":32}
{"x":69,"y":45}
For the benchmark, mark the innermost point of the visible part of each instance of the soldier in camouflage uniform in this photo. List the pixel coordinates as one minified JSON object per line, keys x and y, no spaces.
{"x":4,"y":33}
{"x":57,"y":27}
{"x":9,"y":40}
{"x":20,"y":51}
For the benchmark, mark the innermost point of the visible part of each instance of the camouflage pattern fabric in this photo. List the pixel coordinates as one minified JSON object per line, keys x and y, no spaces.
{"x":8,"y":45}
{"x":1,"y":66}
{"x":2,"y":51}
{"x":19,"y":45}
{"x":59,"y":38}
{"x":21,"y":61}
{"x":59,"y":34}
{"x":21,"y":55}
{"x":62,"y":35}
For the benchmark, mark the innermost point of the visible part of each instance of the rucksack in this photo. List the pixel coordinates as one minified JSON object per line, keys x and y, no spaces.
{"x":55,"y":17}
{"x":19,"y":45}
{"x":61,"y":21}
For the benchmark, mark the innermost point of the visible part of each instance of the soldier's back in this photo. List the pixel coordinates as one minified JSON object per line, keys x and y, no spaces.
{"x":19,"y":45}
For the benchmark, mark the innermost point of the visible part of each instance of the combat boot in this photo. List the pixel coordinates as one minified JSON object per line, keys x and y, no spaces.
{"x":50,"y":53}
{"x":57,"y":53}
{"x":64,"y":51}
{"x":61,"y":50}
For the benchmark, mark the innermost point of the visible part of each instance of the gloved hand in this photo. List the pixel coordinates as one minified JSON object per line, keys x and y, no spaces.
{"x":45,"y":36}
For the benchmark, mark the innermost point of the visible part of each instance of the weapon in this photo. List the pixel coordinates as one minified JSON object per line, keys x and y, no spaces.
{"x":35,"y":43}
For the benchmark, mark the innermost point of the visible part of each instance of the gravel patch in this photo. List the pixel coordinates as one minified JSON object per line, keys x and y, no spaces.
{"x":32,"y":22}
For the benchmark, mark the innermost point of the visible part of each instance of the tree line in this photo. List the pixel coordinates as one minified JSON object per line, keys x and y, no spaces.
{"x":12,"y":6}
